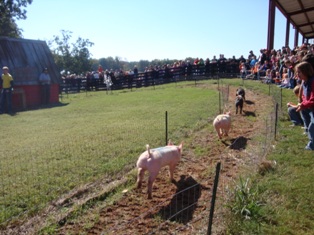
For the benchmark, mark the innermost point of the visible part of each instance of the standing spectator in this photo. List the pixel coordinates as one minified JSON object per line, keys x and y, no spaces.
{"x":207,"y":67}
{"x":253,"y":61}
{"x":241,"y":59}
{"x":222,"y":63}
{"x":135,"y":71}
{"x":167,"y":74}
{"x":196,"y":64}
{"x":251,"y":55}
{"x":6,"y":92}
{"x":89,"y":77}
{"x":100,"y":69}
{"x":44,"y":80}
{"x":305,"y":72}
{"x":189,"y":69}
{"x":263,"y":56}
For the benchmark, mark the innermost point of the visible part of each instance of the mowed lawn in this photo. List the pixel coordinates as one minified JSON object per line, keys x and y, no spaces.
{"x":47,"y":152}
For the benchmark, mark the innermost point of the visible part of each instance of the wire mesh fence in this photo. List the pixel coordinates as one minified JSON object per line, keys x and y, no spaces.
{"x":172,"y":210}
{"x":28,"y":182}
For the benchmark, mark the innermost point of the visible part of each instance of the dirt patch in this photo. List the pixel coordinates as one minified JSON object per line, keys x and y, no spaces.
{"x":133,"y":213}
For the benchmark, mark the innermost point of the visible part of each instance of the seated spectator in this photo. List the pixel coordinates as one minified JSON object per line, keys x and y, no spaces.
{"x":290,"y":71}
{"x":264,"y":67}
{"x":267,"y":78}
{"x":276,"y":78}
{"x":285,"y":81}
{"x":295,"y":117}
{"x":243,"y":69}
{"x":254,"y":72}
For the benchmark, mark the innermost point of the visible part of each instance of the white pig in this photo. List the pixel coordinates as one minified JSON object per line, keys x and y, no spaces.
{"x":153,"y":160}
{"x":222,"y":124}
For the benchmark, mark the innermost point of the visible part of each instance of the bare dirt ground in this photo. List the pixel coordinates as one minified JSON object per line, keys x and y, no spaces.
{"x":133,"y":213}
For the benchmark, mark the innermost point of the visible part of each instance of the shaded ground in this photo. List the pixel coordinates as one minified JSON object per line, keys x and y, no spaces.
{"x":134,"y":214}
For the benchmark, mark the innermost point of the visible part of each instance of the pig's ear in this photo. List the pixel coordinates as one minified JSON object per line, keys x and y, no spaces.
{"x":169,"y":142}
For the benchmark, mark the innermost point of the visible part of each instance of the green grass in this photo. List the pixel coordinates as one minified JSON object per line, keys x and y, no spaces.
{"x":47,"y":152}
{"x":286,"y":194}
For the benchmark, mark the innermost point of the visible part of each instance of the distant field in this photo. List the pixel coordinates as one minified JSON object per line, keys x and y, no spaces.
{"x":47,"y":152}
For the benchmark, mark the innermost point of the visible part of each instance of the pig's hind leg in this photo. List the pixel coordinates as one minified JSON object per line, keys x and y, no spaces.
{"x":151,"y":179}
{"x":218,"y":131}
{"x":226,"y":130}
{"x":140,"y":176}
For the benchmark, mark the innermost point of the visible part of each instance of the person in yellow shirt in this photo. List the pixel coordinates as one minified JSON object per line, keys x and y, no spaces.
{"x":6,"y":91}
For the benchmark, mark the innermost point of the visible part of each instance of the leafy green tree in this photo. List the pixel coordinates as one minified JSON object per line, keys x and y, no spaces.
{"x":72,"y":57}
{"x":11,"y":10}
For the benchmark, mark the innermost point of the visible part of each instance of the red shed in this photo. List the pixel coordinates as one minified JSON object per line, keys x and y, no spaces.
{"x":26,"y":60}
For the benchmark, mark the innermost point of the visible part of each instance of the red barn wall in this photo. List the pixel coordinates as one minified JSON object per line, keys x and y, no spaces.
{"x":28,"y":96}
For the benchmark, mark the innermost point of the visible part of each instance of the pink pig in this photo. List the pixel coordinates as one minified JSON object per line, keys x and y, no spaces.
{"x":153,"y":160}
{"x":222,"y":124}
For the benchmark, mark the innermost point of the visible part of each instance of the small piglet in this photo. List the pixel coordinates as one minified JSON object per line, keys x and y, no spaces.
{"x":239,"y":104}
{"x":241,"y":91}
{"x":153,"y":160}
{"x":222,"y":124}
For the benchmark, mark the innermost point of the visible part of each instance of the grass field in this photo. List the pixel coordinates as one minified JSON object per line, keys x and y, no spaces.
{"x":47,"y":152}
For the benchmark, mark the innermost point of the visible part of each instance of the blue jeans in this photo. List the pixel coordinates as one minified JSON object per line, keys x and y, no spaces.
{"x":6,"y":99}
{"x":295,"y":116}
{"x":308,"y":115}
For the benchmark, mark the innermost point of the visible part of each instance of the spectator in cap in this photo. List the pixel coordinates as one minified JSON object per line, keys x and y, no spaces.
{"x":6,"y":91}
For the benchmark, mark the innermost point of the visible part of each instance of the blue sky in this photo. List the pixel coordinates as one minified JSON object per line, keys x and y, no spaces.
{"x":164,"y":29}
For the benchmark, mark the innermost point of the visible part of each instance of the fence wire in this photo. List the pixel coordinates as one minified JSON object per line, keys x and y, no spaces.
{"x":17,"y":188}
{"x":184,"y":216}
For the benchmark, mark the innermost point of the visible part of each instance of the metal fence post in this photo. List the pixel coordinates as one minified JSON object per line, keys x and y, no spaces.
{"x":212,"y":206}
{"x":269,"y":89}
{"x":219,"y":95}
{"x":276,"y":120}
{"x":166,"y":123}
{"x":281,"y":98}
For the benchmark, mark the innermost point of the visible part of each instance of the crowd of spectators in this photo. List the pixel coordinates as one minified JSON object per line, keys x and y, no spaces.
{"x":274,"y":66}
{"x":284,"y":67}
